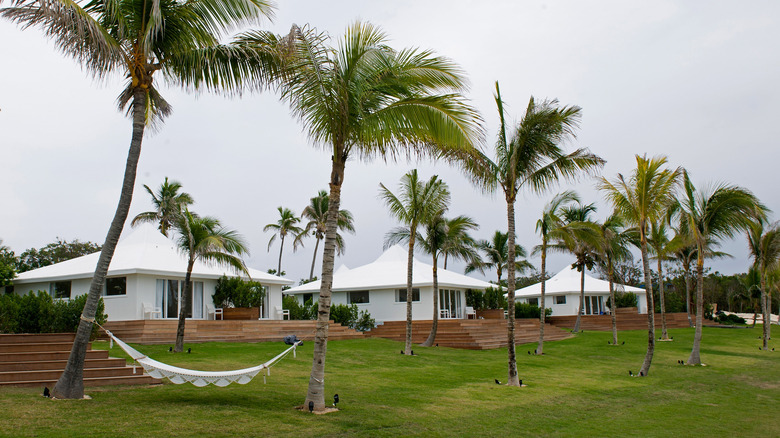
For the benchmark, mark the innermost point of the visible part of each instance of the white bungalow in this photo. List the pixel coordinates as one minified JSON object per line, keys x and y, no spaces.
{"x":380,"y":288}
{"x":562,"y":294}
{"x":146,"y":280}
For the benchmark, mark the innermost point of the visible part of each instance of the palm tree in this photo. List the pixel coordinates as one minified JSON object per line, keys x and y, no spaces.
{"x":317,"y":214}
{"x":547,"y":226}
{"x":363,"y":100}
{"x":496,"y":252}
{"x":529,"y":157}
{"x":615,"y":238}
{"x":684,"y":252}
{"x":457,"y":243}
{"x":204,"y":239}
{"x":642,"y":199}
{"x":285,"y":225}
{"x":711,"y":215}
{"x":764,"y":243}
{"x":180,"y":40}
{"x":662,"y":247}
{"x":417,"y":203}
{"x":168,"y":203}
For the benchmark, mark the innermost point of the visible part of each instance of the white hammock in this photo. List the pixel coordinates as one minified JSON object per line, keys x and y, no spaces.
{"x":177,"y":375}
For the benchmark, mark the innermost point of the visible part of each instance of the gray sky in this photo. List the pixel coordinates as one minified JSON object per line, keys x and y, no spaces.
{"x":696,"y":81}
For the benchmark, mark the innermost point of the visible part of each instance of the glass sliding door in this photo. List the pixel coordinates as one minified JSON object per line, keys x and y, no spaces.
{"x":171,"y":309}
{"x":197,"y":299}
{"x":450,"y":300}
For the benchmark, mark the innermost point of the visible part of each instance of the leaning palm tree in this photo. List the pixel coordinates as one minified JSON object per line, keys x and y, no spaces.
{"x":496,"y":251}
{"x":287,"y":224}
{"x":641,"y":199}
{"x":365,"y":100}
{"x":168,"y":205}
{"x":457,"y":243}
{"x":529,"y":156}
{"x":417,"y":203}
{"x":711,"y":215}
{"x":204,"y":239}
{"x":317,"y":214}
{"x":615,"y":239}
{"x":180,"y":40}
{"x":662,"y":247}
{"x":548,"y":226}
{"x":764,"y":243}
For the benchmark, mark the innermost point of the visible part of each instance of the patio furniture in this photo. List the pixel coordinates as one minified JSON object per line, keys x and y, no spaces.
{"x":283,"y":312}
{"x":151,"y":311}
{"x":471,"y":313}
{"x":211,"y":310}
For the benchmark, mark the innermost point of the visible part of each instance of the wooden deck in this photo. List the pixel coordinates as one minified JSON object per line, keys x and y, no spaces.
{"x":472,"y":334}
{"x":625,"y":321}
{"x":157,"y":331}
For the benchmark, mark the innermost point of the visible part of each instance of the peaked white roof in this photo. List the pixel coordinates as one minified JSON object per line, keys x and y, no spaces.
{"x":389,"y":272}
{"x":142,"y":250}
{"x":567,"y":281}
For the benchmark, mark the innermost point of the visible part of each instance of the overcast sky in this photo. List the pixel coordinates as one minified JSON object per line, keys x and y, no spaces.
{"x":696,"y":81}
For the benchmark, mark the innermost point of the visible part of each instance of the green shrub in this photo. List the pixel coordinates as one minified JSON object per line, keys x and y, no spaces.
{"x":491,"y":298}
{"x":730,"y":319}
{"x":364,"y":322}
{"x":307,"y":311}
{"x":623,"y":299}
{"x":39,"y":313}
{"x":348,"y":316}
{"x":10,"y":306}
{"x":237,"y":292}
{"x":525,"y":310}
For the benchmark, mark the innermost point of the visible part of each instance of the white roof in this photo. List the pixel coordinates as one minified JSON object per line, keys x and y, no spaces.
{"x":389,"y":272}
{"x":568,"y":281}
{"x":142,"y":250}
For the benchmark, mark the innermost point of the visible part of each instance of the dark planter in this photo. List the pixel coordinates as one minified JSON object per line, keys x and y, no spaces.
{"x":234,"y":313}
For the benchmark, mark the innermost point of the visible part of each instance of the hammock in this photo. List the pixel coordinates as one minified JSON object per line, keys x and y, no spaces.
{"x":177,"y":375}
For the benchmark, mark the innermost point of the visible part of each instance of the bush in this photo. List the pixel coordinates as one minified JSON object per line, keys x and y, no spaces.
{"x":237,"y":292}
{"x":348,"y":316}
{"x":39,"y":313}
{"x":524,"y":310}
{"x":623,"y":299}
{"x":307,"y":311}
{"x":365,"y":322}
{"x":491,"y":298}
{"x":730,"y":319}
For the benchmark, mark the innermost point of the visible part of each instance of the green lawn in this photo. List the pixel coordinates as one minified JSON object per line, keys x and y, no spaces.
{"x":581,"y":387}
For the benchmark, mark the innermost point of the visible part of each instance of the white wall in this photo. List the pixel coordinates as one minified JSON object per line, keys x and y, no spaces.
{"x":573,"y":303}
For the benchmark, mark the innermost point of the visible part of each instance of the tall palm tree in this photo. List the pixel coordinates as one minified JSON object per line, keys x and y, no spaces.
{"x":641,"y":199}
{"x":764,"y":243}
{"x":366,"y":100}
{"x":529,"y":156}
{"x":317,"y":214}
{"x":615,"y":239}
{"x":285,"y":225}
{"x":204,"y":239}
{"x":417,"y":203}
{"x":168,"y":205}
{"x":496,"y":252}
{"x":135,"y":39}
{"x":457,"y":242}
{"x":711,"y":215}
{"x":548,"y":226}
{"x":685,"y":253}
{"x":661,"y":246}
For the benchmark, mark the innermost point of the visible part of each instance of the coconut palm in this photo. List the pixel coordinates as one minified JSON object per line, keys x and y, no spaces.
{"x":764,"y":243}
{"x":180,"y":40}
{"x":548,"y":226}
{"x":317,"y":214}
{"x":496,"y":256}
{"x":168,"y":205}
{"x":529,"y":157}
{"x":641,"y":199}
{"x":616,"y":239}
{"x":661,"y":246}
{"x":284,"y":226}
{"x":365,"y":100}
{"x":204,"y":239}
{"x":711,"y":215}
{"x":416,"y":204}
{"x":685,"y":253}
{"x":457,"y":243}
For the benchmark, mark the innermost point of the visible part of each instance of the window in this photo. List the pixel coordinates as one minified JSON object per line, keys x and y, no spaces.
{"x":533,"y":301}
{"x":60,"y":289}
{"x":115,"y":286}
{"x":400,"y":295}
{"x":307,"y":298}
{"x":358,"y":297}
{"x":560,"y":299}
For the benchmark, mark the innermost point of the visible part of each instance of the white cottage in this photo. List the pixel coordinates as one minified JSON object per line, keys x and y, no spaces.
{"x":562,"y":294}
{"x":380,"y":288}
{"x":145,"y":280}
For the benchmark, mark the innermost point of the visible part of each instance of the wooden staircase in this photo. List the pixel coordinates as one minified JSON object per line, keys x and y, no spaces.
{"x":158,"y":331}
{"x":39,"y":360}
{"x":472,"y":334}
{"x":625,"y":321}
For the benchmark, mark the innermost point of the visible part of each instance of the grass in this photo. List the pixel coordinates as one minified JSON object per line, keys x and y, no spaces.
{"x":581,"y":387}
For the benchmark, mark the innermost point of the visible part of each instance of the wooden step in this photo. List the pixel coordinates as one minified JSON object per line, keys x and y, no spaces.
{"x":38,"y":346}
{"x":48,"y":355}
{"x":59,"y":364}
{"x":138,"y":379}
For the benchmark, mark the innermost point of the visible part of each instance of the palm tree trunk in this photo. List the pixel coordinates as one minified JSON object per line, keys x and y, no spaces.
{"x":409,"y":276}
{"x":765,"y":311}
{"x":279,"y":266}
{"x":314,"y":258}
{"x":613,"y":309}
{"x":316,"y":391}
{"x":71,"y":382}
{"x":664,"y":333}
{"x":435,"y":326}
{"x":445,"y":260}
{"x":695,"y":358}
{"x":582,"y":299}
{"x":650,"y":309}
{"x":540,"y":347}
{"x":186,"y":304}
{"x":510,"y":298}
{"x":687,"y":270}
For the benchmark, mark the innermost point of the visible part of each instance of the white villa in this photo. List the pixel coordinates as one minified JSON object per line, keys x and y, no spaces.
{"x":146,"y":280}
{"x":380,"y":288}
{"x":562,"y":294}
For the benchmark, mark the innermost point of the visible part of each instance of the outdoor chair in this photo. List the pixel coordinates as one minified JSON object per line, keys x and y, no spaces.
{"x":283,"y":312}
{"x":471,"y":313}
{"x":444,"y":313}
{"x":211,"y":310}
{"x":152,"y":311}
